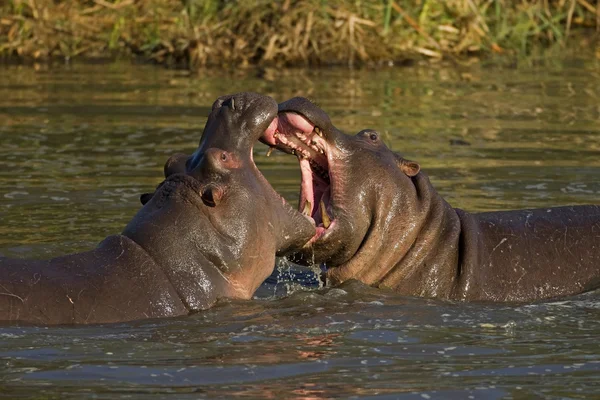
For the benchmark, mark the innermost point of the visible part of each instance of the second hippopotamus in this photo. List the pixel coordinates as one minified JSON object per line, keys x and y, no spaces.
{"x":379,"y":220}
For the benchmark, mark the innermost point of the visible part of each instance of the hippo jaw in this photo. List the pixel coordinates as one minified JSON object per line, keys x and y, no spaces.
{"x":293,"y":133}
{"x":324,"y":154}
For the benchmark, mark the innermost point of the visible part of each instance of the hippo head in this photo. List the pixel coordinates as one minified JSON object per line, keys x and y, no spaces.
{"x":215,"y":224}
{"x":345,"y":181}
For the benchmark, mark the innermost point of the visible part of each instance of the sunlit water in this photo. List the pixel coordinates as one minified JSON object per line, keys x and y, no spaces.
{"x":79,"y":143}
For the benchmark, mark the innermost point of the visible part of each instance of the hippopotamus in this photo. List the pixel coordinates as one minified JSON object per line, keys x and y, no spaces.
{"x":211,"y":229}
{"x":379,"y":220}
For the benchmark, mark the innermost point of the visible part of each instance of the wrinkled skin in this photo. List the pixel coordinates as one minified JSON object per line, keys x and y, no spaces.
{"x":210,"y":230}
{"x":389,"y":228}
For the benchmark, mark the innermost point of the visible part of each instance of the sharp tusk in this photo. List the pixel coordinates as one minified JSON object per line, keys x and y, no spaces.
{"x":324,"y":215}
{"x":270,"y":151}
{"x":307,"y":207}
{"x":318,"y":130}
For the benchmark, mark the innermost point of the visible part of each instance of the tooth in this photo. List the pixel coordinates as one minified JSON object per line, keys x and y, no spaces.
{"x":307,"y":206}
{"x":324,"y":215}
{"x":276,"y":134}
{"x":270,"y":151}
{"x":318,"y":130}
{"x":293,"y":151}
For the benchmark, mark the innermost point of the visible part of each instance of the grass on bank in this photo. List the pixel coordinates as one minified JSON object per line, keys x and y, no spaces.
{"x":288,"y":32}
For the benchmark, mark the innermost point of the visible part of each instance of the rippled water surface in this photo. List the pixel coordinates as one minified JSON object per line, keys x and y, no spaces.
{"x":79,"y":143}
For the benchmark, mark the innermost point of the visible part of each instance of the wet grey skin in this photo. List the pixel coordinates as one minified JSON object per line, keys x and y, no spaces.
{"x":211,"y":230}
{"x":386,"y":226}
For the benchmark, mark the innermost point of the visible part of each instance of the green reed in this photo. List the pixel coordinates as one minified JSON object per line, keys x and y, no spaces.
{"x":289,"y":32}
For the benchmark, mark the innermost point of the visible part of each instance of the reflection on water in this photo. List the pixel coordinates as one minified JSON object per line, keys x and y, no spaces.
{"x":339,"y":342}
{"x":80,"y":143}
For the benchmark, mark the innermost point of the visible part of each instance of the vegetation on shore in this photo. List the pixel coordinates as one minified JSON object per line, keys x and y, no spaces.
{"x":287,"y":32}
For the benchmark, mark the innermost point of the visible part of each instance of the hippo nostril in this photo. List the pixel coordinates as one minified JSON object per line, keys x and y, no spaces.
{"x":230,"y":102}
{"x":223,"y":157}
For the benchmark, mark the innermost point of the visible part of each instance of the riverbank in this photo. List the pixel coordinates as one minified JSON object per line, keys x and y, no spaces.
{"x":198,"y":33}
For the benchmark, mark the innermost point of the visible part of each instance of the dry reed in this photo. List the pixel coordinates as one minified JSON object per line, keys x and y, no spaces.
{"x":287,"y":32}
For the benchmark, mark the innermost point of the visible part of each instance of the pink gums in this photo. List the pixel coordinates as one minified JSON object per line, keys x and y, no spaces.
{"x":280,"y":131}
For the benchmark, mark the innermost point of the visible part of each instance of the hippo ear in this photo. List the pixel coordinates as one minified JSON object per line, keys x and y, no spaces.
{"x":145,"y":197}
{"x":176,"y":164}
{"x":410,"y":168}
{"x":212,"y":195}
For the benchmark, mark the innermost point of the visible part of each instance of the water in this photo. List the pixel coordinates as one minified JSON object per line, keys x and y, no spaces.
{"x":79,"y":143}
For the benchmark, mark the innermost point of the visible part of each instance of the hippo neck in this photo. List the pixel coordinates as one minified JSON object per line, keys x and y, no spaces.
{"x":428,"y":264}
{"x":182,"y":251}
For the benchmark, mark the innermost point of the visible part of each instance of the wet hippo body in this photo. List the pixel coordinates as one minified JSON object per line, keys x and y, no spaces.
{"x":117,"y":281}
{"x":210,"y":230}
{"x":529,"y":254}
{"x":379,"y":220}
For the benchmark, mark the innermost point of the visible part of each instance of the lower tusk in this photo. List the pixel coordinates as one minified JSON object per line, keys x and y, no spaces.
{"x":270,"y":151}
{"x":324,"y":216}
{"x":307,"y":207}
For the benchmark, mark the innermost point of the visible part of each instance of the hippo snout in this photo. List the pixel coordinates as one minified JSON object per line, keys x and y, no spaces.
{"x":246,"y":101}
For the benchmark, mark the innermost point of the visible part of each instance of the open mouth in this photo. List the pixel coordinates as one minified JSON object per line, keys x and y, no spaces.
{"x":294,"y":134}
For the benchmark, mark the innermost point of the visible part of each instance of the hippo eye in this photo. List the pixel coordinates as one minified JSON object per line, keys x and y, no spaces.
{"x":373,"y":136}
